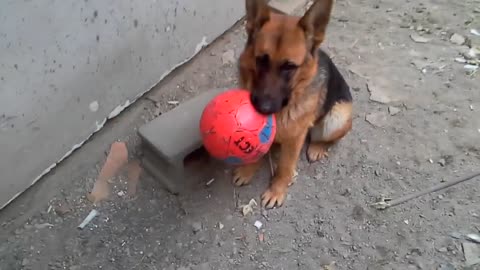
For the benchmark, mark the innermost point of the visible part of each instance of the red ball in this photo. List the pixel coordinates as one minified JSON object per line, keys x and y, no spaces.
{"x":233,"y":131}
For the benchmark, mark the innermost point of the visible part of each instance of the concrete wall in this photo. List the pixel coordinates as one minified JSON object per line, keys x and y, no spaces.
{"x":66,"y":66}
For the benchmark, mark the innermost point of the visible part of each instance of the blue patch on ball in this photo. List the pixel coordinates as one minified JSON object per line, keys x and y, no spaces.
{"x":266,"y":132}
{"x":233,"y":160}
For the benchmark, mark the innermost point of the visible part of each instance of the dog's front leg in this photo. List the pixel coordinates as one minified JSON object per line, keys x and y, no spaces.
{"x":290,"y":150}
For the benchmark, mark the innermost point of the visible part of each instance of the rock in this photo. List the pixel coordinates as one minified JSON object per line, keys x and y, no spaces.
{"x":457,"y":39}
{"x":471,"y":253}
{"x":196,"y":227}
{"x":25,"y":262}
{"x":380,"y":90}
{"x":228,"y":57}
{"x":442,"y":162}
{"x":393,"y":110}
{"x":419,"y":39}
{"x":377,"y":119}
{"x":442,"y":249}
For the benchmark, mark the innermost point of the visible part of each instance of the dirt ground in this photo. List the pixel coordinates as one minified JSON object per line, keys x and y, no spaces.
{"x":417,"y":123}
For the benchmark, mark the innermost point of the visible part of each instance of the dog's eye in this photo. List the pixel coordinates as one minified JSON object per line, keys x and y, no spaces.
{"x":263,"y":60}
{"x":288,"y":67}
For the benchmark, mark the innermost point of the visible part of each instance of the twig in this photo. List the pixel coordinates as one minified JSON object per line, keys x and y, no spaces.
{"x":272,"y":171}
{"x":385,"y":203}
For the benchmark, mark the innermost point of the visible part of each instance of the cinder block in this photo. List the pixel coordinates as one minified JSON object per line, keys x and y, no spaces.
{"x":171,"y":137}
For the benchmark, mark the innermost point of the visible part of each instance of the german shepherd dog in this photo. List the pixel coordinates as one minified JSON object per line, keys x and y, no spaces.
{"x":288,"y":75}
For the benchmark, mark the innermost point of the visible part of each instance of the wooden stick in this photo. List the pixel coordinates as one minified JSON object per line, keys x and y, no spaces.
{"x":386,"y":203}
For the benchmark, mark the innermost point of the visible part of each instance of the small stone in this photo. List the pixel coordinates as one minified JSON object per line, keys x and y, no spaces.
{"x":377,"y":173}
{"x":196,"y":227}
{"x":457,"y":39}
{"x":228,"y":57}
{"x":25,"y":262}
{"x":442,"y":162}
{"x":442,"y":249}
{"x":393,"y":110}
{"x":419,"y":39}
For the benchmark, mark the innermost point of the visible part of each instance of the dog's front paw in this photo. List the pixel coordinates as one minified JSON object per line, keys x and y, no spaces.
{"x":317,"y":151}
{"x":243,"y":175}
{"x":275,"y":195}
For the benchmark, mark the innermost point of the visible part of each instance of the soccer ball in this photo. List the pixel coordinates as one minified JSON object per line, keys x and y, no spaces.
{"x":233,"y":131}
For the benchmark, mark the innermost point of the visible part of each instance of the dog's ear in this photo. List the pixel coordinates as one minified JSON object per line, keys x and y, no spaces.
{"x":315,"y":22}
{"x":258,"y":13}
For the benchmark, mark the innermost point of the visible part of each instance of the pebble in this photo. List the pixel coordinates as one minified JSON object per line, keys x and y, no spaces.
{"x":442,"y":162}
{"x":196,"y":227}
{"x":457,"y":39}
{"x":393,"y":110}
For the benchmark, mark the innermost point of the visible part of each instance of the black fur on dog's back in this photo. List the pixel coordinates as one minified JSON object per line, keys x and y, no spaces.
{"x":336,"y":86}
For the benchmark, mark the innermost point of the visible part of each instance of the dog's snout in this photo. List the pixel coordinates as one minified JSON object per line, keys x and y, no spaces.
{"x":263,"y":104}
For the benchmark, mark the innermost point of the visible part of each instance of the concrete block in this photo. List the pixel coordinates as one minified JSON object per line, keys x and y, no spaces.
{"x":287,"y":6}
{"x":171,"y":137}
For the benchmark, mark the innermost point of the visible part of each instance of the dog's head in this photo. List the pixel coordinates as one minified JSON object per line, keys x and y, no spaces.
{"x":281,"y":51}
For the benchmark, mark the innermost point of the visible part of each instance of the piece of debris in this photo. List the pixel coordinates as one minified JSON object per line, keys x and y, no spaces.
{"x":121,"y":193}
{"x":210,"y":182}
{"x":442,"y":162}
{"x":42,"y":226}
{"x":228,"y":57}
{"x":475,"y":32}
{"x":173,"y":102}
{"x":393,"y":110}
{"x":134,"y":171}
{"x":457,"y":39}
{"x":330,"y":266}
{"x":196,"y":227}
{"x":377,"y":119}
{"x":470,"y":67}
{"x":406,"y":221}
{"x":258,"y":224}
{"x":116,"y":159}
{"x":220,"y":225}
{"x":419,"y":39}
{"x":248,"y":208}
{"x":473,"y":237}
{"x":88,"y":219}
{"x":471,"y":252}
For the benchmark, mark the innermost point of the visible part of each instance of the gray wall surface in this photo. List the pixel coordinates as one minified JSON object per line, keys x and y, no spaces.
{"x":66,"y":66}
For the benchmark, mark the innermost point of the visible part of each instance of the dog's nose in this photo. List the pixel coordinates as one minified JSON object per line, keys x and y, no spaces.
{"x":262,"y":105}
{"x":265,"y":107}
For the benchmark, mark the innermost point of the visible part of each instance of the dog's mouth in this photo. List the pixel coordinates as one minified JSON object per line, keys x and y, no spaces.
{"x":267,"y":105}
